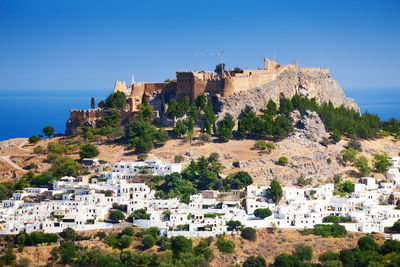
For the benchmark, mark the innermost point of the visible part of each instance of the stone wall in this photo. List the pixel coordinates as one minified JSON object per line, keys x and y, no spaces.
{"x":89,"y":118}
{"x":138,"y":89}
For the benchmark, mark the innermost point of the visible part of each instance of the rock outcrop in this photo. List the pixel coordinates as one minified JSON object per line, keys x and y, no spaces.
{"x":311,"y":127}
{"x":306,"y":82}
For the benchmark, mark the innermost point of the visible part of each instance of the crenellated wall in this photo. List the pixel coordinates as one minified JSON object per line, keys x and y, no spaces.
{"x":82,"y":115}
{"x":89,"y":118}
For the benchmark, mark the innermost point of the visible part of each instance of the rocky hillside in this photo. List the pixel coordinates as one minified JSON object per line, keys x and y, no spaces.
{"x":304,"y":82}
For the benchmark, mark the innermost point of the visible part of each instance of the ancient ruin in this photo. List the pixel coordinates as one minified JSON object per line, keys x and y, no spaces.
{"x":233,"y":90}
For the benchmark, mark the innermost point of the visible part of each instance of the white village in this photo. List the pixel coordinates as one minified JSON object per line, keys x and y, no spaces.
{"x":84,"y":204}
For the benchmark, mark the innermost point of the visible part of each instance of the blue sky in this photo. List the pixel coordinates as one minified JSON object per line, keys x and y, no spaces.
{"x":70,"y":44}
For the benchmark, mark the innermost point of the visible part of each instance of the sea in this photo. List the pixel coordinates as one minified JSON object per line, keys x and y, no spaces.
{"x":25,"y":112}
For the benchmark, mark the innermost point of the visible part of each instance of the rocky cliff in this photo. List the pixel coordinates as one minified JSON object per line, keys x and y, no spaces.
{"x":307,"y":82}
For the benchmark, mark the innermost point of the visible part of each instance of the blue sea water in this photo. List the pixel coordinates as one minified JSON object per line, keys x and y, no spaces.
{"x":382,"y":101}
{"x":26,"y":112}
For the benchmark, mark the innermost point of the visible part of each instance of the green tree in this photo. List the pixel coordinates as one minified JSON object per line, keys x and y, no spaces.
{"x":225,"y":246}
{"x":336,"y":136}
{"x":271,"y":108}
{"x":348,"y":187}
{"x":148,"y":241}
{"x":349,"y":155}
{"x":180,"y":128}
{"x":285,"y":105}
{"x":34,"y":139}
{"x":240,"y":179}
{"x":92,"y":103}
{"x":285,"y":260}
{"x":303,"y":252}
{"x":362,"y":165}
{"x":140,"y":214}
{"x":381,"y":162}
{"x":235,"y":225}
{"x":347,"y":257}
{"x":249,"y":234}
{"x":367,"y":243}
{"x":68,"y":252}
{"x":145,"y":113}
{"x":180,"y":244}
{"x":68,"y":234}
{"x":254,"y":261}
{"x":209,"y":117}
{"x":262,"y":213}
{"x":396,"y":226}
{"x":329,"y":256}
{"x":128,"y":231}
{"x":226,"y":126}
{"x":142,"y":136}
{"x":48,"y":131}
{"x":8,"y":257}
{"x":88,"y":151}
{"x":275,"y":191}
{"x":112,"y":118}
{"x":115,"y":100}
{"x":65,"y":166}
{"x":116,"y":215}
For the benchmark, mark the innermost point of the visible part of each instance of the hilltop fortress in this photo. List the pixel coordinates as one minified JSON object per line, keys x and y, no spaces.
{"x":193,"y":83}
{"x":231,"y":91}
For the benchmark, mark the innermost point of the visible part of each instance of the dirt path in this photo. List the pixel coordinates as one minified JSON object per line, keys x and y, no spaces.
{"x":9,"y":161}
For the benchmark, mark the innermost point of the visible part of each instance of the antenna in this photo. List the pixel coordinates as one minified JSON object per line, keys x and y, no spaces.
{"x":274,"y":54}
{"x":216,"y":55}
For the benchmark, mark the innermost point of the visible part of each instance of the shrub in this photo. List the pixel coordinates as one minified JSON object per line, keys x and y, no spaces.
{"x":283,"y":160}
{"x":349,"y":155}
{"x":225,"y":246}
{"x":260,"y":144}
{"x":34,"y":139}
{"x":262,"y":213}
{"x":178,"y":158}
{"x":254,"y":261}
{"x":88,"y":151}
{"x":367,"y":243}
{"x":140,"y":214}
{"x":148,"y":241}
{"x":180,"y":244}
{"x":38,"y":150}
{"x":303,"y":252}
{"x":362,"y":165}
{"x":125,"y":241}
{"x":128,"y":231}
{"x":249,"y":234}
{"x":329,"y":256}
{"x":381,"y":162}
{"x":336,"y":136}
{"x":116,"y":215}
{"x":142,"y":156}
{"x":283,"y":260}
{"x":326,"y":230}
{"x":234,"y":224}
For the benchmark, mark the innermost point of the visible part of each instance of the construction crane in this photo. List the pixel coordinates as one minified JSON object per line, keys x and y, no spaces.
{"x":221,"y":55}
